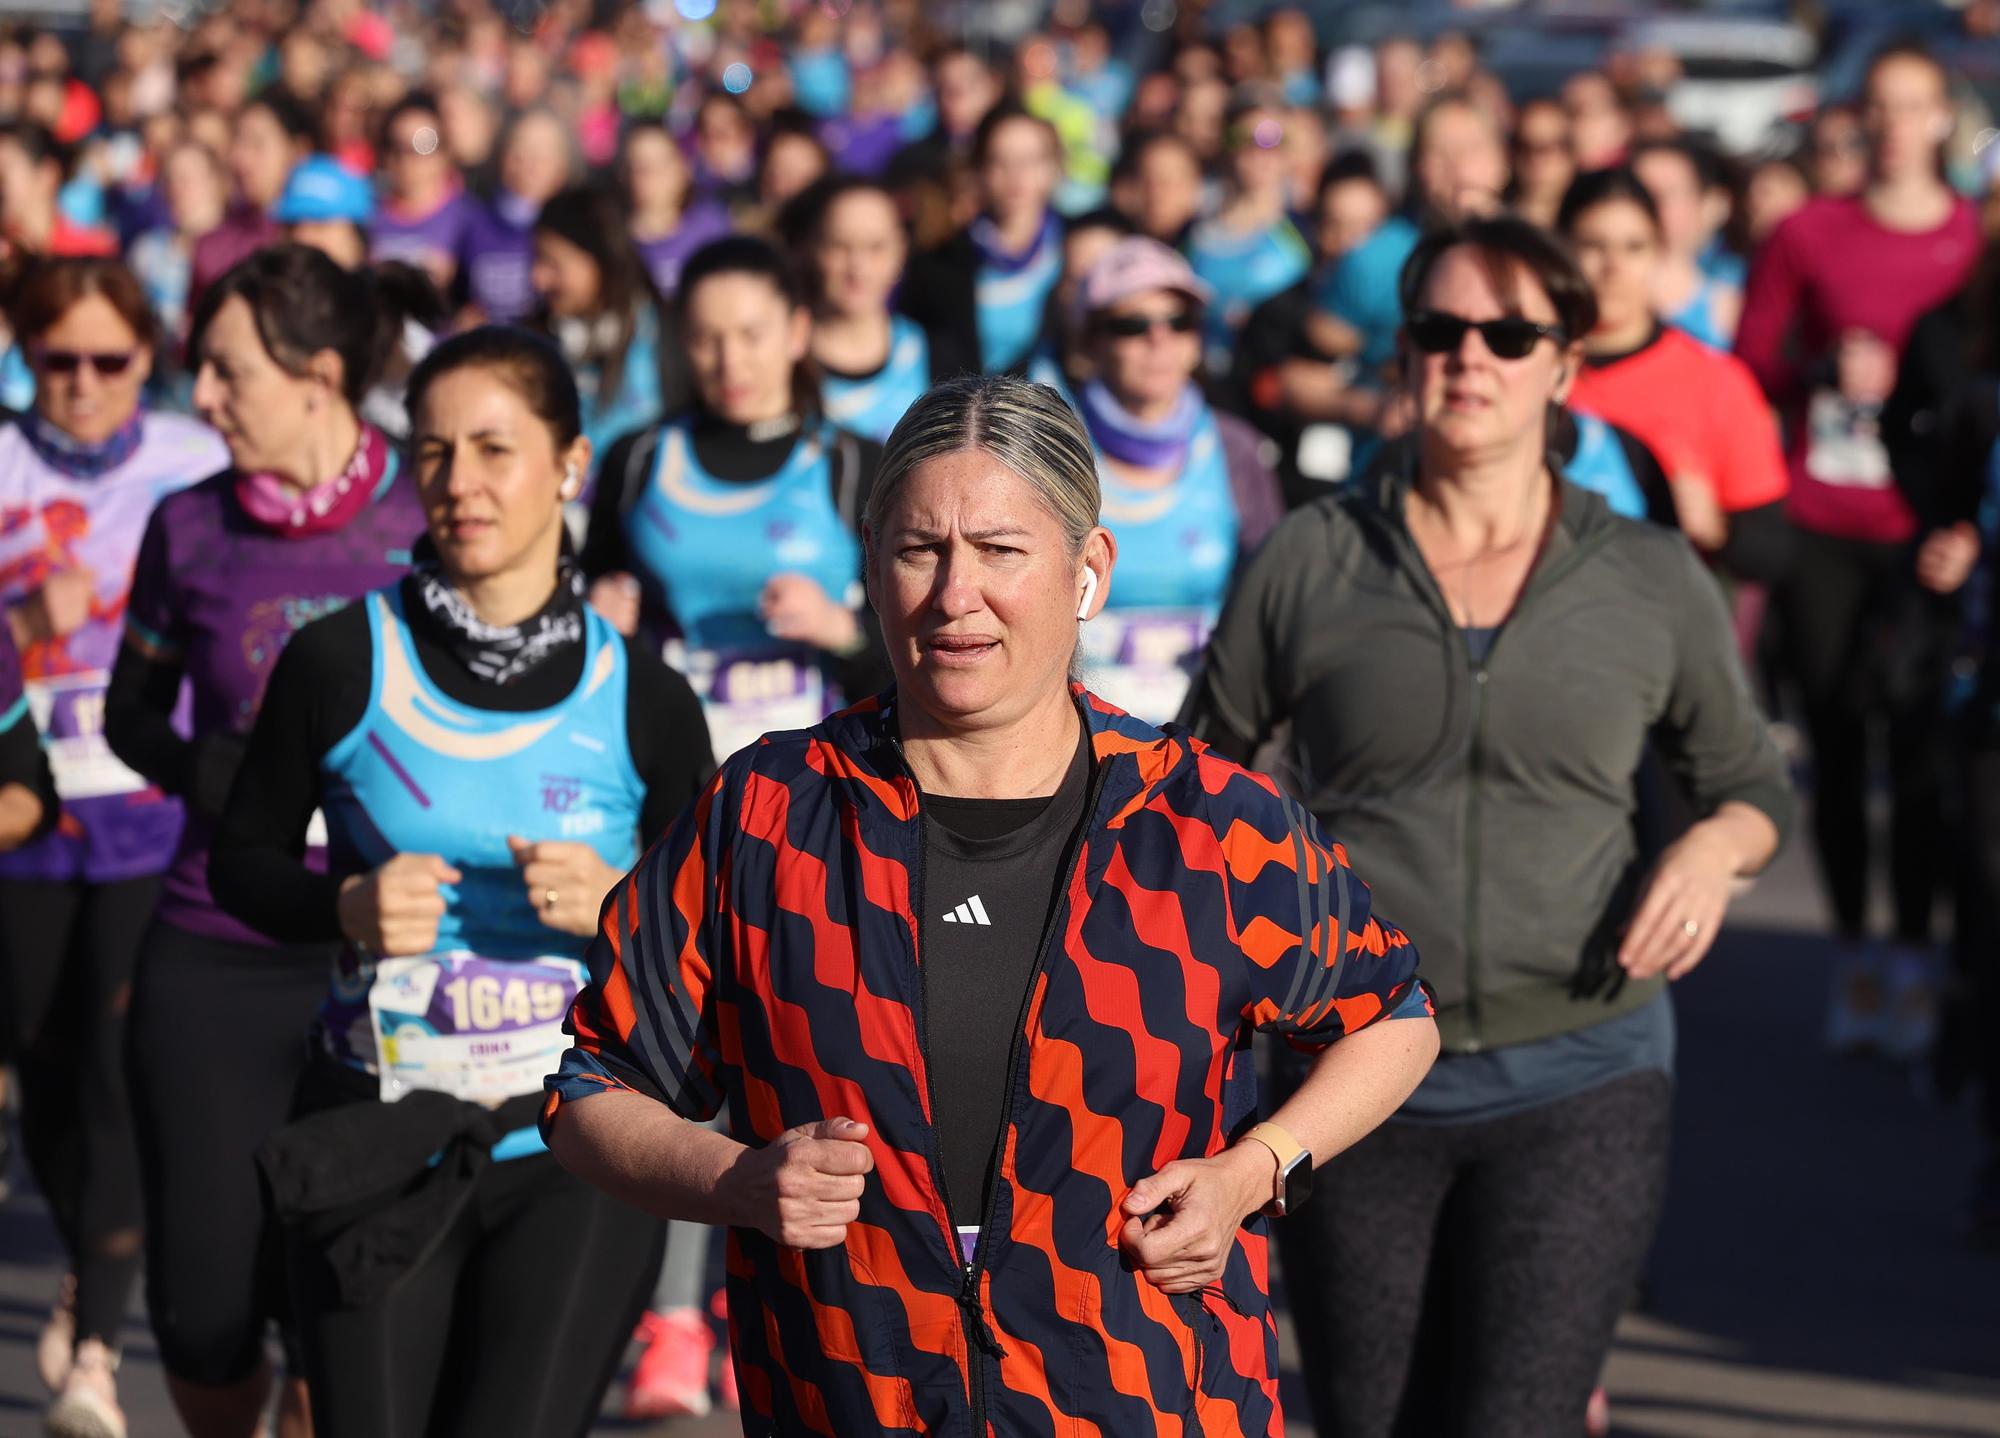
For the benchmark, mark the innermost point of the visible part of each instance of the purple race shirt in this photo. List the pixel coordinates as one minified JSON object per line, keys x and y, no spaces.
{"x":431,"y":242}
{"x":223,"y":595}
{"x":705,"y":220}
{"x":114,"y":824}
{"x":495,"y":257}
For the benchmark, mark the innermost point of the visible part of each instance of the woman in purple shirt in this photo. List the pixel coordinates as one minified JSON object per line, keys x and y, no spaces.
{"x":308,"y":514}
{"x":78,"y":476}
{"x":497,"y":247}
{"x":666,"y":220}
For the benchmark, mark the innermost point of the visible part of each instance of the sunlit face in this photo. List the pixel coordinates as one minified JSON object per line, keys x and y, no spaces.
{"x":966,"y":90}
{"x":1256,"y":150}
{"x":743,"y":343}
{"x":656,"y":172}
{"x":261,"y":410}
{"x":565,"y":277}
{"x":1152,"y":368}
{"x":790,"y":164}
{"x":1676,"y":190}
{"x":1906,"y":114}
{"x":1167,"y":185}
{"x":1349,"y":214}
{"x":73,"y":359}
{"x":1472,"y":404}
{"x":977,"y":591}
{"x":416,"y":160}
{"x":1461,"y":166}
{"x":26,"y":189}
{"x":261,"y":156}
{"x":1542,"y":160}
{"x":1020,"y":171}
{"x":1838,"y":153}
{"x":193,"y":187}
{"x":860,"y":252}
{"x":535,"y":163}
{"x":490,"y":476}
{"x":1619,"y":252}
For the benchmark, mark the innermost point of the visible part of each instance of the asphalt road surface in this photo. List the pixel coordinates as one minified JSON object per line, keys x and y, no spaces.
{"x":1810,"y":1280}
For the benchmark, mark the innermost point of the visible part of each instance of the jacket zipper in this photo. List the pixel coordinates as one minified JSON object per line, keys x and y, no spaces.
{"x":1475,"y":758}
{"x":979,"y":1335}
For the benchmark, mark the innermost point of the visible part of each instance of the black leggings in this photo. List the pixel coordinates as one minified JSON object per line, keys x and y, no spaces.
{"x":1463,"y":1280}
{"x":513,"y":1325}
{"x":217,"y":1046}
{"x":1862,"y":642}
{"x":66,"y":956}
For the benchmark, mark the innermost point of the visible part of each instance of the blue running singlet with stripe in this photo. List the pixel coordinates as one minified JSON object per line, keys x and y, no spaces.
{"x":708,"y":545}
{"x":871,"y":405}
{"x":1010,"y":306}
{"x":1176,"y":550}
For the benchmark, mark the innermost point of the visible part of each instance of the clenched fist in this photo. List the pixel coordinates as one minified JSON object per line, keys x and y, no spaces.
{"x":394,"y":911}
{"x":804,"y":1188}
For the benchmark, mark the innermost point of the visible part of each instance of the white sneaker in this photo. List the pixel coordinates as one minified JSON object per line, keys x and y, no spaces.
{"x":88,"y":1407}
{"x":55,"y":1347}
{"x":1911,"y":1029}
{"x":1857,"y":1011}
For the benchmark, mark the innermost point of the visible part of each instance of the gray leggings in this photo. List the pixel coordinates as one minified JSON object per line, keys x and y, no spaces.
{"x":1463,"y":1280}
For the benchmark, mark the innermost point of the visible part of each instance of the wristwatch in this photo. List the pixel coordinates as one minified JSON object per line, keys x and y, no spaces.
{"x":1295,"y":1169}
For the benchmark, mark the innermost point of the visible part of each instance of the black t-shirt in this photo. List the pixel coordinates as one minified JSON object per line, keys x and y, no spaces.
{"x":991,"y":872}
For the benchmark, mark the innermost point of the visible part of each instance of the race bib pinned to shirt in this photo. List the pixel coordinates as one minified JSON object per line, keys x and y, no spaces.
{"x":483,"y":1030}
{"x":69,"y":712}
{"x":1844,"y":443}
{"x":747,"y":694}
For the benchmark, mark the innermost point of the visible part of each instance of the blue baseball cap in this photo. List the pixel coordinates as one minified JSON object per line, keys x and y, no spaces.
{"x":321,"y":188}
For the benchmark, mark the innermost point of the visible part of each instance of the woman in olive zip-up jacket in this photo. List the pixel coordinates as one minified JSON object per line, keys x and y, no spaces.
{"x":1472,"y":659}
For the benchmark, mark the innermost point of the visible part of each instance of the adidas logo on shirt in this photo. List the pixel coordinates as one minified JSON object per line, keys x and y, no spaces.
{"x":969,"y":912}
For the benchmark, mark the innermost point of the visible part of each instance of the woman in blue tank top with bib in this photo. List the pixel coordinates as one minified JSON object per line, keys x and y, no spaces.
{"x":732,"y":532}
{"x":489,"y":756}
{"x":1186,"y":492}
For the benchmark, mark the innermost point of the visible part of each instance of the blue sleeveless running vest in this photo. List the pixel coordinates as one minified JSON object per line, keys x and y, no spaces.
{"x":1176,"y":550}
{"x":423,"y":774}
{"x":1600,"y":464}
{"x":870,"y":407}
{"x":1176,"y":544}
{"x":709,"y":546}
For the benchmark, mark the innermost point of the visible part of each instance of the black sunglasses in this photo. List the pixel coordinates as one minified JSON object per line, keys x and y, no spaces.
{"x":1130,"y":327}
{"x":70,"y":361}
{"x":1509,"y":337}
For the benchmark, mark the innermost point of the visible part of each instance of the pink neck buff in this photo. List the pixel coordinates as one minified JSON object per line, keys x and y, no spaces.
{"x":284,"y":509}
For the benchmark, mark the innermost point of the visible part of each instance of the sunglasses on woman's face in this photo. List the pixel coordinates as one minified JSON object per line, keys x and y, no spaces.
{"x":1509,"y":337}
{"x":114,"y":362}
{"x":1131,"y":327}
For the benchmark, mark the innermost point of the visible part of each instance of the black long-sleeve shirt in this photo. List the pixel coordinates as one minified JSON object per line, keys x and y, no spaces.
{"x":320,"y":690}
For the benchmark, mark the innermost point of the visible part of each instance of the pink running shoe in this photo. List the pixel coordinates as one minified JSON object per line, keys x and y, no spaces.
{"x":670,"y":1379}
{"x":725,"y":1383}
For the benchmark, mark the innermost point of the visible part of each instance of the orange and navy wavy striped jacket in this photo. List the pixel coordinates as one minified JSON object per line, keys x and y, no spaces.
{"x":764,"y":953}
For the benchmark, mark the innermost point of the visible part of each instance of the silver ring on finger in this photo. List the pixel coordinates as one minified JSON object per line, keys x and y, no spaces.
{"x":1690,"y":927}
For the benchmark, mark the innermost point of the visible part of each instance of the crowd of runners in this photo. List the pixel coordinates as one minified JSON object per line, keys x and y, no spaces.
{"x":437,"y":438}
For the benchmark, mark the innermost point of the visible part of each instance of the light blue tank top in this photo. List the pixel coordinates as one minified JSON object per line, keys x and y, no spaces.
{"x":1244,"y":271}
{"x":424,"y":774}
{"x":1698,"y":316}
{"x":870,"y":407}
{"x":1176,"y":544}
{"x":706,"y":546}
{"x":1601,"y":465}
{"x":1176,"y":549}
{"x":1010,"y":307}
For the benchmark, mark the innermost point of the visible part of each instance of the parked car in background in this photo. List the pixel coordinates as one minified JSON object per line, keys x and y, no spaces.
{"x":1743,"y":78}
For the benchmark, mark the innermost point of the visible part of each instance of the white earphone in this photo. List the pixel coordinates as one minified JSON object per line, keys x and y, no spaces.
{"x":571,"y":484}
{"x":1089,"y":593}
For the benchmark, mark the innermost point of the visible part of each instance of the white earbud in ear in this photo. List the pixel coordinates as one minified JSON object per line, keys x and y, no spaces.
{"x":571,"y":484}
{"x":1089,"y":593}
